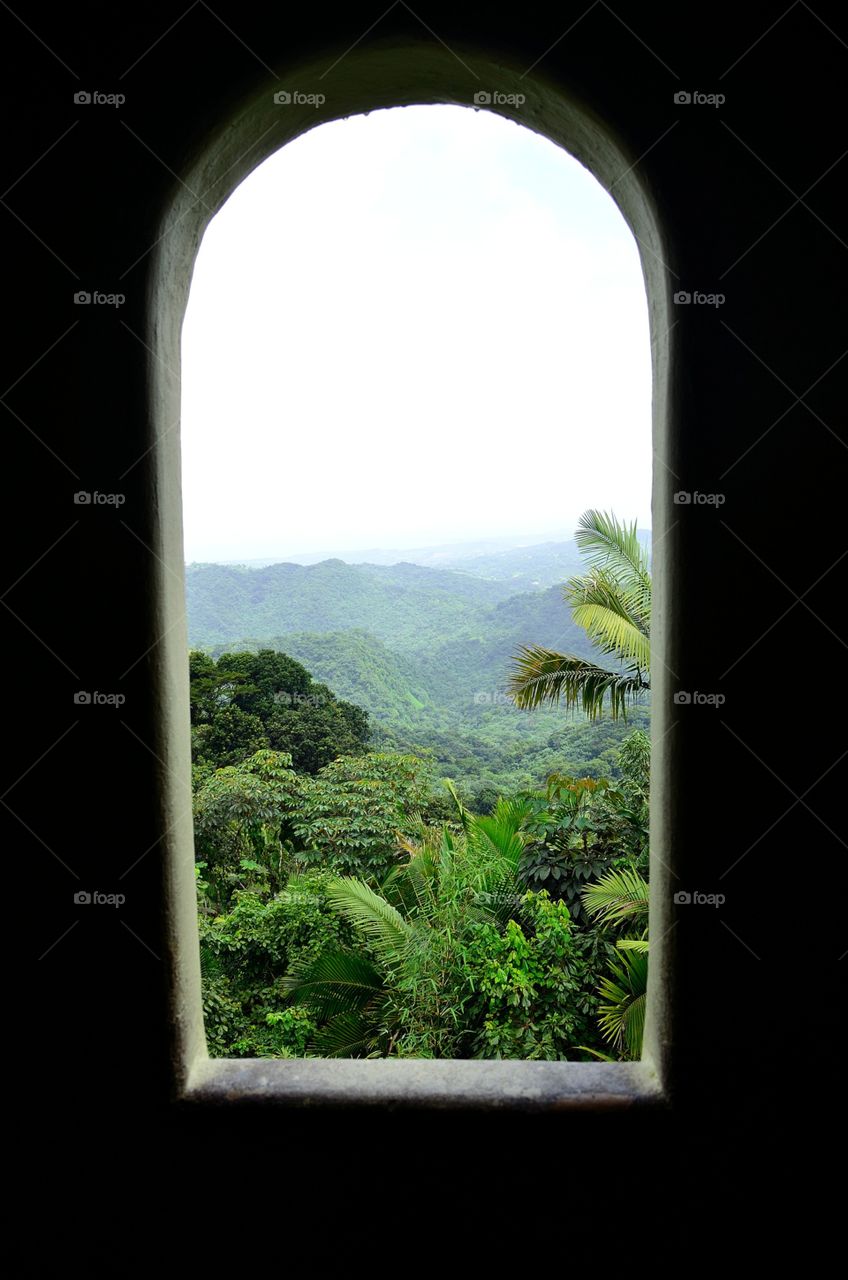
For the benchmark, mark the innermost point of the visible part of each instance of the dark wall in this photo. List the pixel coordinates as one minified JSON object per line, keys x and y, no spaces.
{"x":750,"y":194}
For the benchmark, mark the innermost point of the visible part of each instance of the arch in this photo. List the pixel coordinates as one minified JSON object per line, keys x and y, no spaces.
{"x":382,"y":76}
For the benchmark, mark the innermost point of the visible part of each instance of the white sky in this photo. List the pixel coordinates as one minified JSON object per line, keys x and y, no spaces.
{"x":420,"y":326}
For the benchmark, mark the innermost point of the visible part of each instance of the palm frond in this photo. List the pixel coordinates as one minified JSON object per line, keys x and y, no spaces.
{"x":542,"y":675}
{"x":412,"y":886}
{"x":618,"y":896}
{"x":500,"y":833}
{"x":334,"y":983}
{"x":613,"y":632}
{"x":596,"y":1053}
{"x":610,"y":544}
{"x":622,"y":1016}
{"x":348,"y":1035}
{"x":383,"y":924}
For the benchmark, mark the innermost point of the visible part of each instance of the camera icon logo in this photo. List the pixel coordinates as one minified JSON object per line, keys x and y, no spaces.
{"x":682,"y":97}
{"x":82,"y":299}
{"x":82,"y":97}
{"x":682,"y":698}
{"x":682,"y":498}
{"x":82,"y":499}
{"x":82,"y":699}
{"x":682,"y":297}
{"x":282,"y":97}
{"x":682,"y":897}
{"x":82,"y":898}
{"x":482,"y":98}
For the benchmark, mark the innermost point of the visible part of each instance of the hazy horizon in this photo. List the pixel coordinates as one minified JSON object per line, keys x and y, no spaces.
{"x":484,"y":545}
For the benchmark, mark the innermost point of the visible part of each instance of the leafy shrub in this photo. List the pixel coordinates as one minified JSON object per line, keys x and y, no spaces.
{"x":244,"y":956}
{"x":534,"y":983}
{"x":350,"y":815}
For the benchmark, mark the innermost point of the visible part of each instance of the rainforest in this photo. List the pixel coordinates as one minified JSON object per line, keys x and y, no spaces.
{"x":421,"y":798}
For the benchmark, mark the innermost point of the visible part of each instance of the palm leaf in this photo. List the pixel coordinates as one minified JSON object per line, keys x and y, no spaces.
{"x":613,"y":633}
{"x":618,"y":896}
{"x":500,"y":834}
{"x":336,"y":982}
{"x":616,"y":619}
{"x":622,"y":1016}
{"x":383,"y":924}
{"x":464,"y":815}
{"x":348,"y":1035}
{"x":542,"y":675}
{"x":596,"y":1053}
{"x":609,"y":544}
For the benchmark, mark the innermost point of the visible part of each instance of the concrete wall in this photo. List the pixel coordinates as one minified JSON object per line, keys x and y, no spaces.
{"x":738,"y":198}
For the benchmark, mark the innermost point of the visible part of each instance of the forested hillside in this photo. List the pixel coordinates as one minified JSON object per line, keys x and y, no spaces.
{"x":401,"y":604}
{"x":425,"y":651}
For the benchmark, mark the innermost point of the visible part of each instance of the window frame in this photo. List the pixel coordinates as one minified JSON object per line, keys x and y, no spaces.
{"x":381,"y":77}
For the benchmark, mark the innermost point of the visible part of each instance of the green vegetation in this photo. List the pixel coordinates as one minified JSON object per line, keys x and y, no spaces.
{"x":354,"y":902}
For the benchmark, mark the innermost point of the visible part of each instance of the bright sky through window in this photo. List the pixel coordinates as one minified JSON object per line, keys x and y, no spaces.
{"x":420,"y":326}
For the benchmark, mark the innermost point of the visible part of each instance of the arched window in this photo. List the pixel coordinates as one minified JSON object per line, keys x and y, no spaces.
{"x":219,"y":170}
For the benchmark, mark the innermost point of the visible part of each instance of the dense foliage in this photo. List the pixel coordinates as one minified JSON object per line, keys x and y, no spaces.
{"x":362,"y":910}
{"x":351,"y":903}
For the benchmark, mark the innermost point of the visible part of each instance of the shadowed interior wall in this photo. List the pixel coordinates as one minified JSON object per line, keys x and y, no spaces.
{"x":746,"y":196}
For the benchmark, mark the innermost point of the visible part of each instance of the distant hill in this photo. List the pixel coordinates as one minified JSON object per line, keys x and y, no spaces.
{"x":404,"y":604}
{"x":387,"y":684}
{"x":524,"y":566}
{"x":425,"y":651}
{"x":433,"y":557}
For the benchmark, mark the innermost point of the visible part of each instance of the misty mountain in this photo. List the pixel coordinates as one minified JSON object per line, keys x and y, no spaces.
{"x":404,"y":605}
{"x":426,"y":651}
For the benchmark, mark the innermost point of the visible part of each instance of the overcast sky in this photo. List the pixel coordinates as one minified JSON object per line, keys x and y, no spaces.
{"x":420,"y":326}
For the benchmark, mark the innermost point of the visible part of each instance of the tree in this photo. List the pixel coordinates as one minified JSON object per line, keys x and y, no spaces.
{"x":612,"y":602}
{"x":240,"y":817}
{"x":248,"y":701}
{"x":351,"y":814}
{"x":570,"y":840}
{"x":317,"y":728}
